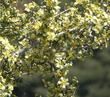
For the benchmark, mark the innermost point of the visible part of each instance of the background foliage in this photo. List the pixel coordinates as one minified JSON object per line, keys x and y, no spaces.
{"x":94,"y":75}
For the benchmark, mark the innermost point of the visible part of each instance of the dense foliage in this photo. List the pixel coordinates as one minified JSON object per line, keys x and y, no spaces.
{"x":46,"y":38}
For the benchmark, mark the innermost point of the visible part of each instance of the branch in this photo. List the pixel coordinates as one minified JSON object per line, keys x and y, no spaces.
{"x":62,"y":12}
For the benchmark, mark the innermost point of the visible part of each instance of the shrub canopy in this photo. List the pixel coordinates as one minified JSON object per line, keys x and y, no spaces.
{"x":45,"y":38}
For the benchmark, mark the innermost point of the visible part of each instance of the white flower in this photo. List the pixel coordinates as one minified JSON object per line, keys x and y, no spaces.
{"x":59,"y":64}
{"x":63,"y":82}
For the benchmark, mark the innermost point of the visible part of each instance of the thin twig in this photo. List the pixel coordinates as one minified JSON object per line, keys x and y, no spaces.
{"x":62,"y":12}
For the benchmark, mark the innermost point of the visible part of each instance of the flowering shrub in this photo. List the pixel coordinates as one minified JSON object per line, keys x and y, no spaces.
{"x":45,"y":38}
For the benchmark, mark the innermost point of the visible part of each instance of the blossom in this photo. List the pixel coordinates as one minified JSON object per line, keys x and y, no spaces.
{"x":63,"y":82}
